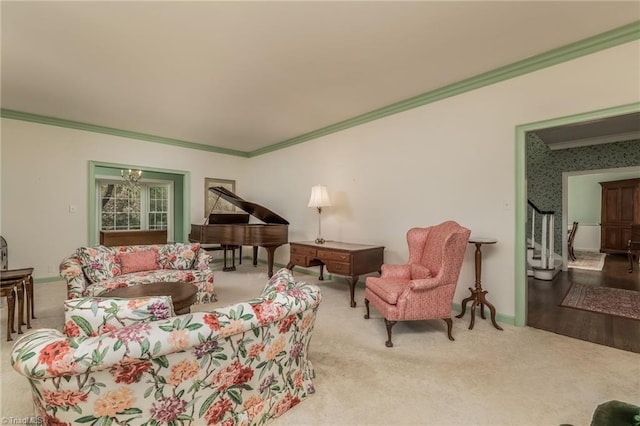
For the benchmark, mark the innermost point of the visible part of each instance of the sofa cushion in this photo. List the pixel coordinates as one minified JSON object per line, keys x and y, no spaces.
{"x":386,"y":289}
{"x":419,"y":272}
{"x":91,"y":316}
{"x":178,"y":256}
{"x":99,"y":263}
{"x":146,"y":260}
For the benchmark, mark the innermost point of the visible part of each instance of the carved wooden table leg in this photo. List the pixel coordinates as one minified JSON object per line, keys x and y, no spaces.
{"x":31,"y":299}
{"x":464,"y":304}
{"x":483,"y":301}
{"x":352,"y":280}
{"x":20,"y":293}
{"x":8,"y":292}
{"x":478,"y":295}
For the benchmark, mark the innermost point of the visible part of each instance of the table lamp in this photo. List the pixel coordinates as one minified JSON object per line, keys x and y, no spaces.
{"x":319,"y":199}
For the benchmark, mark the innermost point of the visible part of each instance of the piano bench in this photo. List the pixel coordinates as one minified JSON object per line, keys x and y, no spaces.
{"x":226,"y":248}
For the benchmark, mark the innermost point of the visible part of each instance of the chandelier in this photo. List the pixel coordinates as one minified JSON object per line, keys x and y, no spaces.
{"x":131,"y":177}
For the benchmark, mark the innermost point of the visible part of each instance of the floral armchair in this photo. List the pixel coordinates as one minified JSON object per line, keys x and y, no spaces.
{"x":243,"y":364}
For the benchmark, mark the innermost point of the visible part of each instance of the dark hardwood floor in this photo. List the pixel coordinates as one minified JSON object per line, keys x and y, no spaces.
{"x":544,"y":312}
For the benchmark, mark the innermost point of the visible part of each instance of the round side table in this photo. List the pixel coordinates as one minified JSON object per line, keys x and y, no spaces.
{"x":478,"y":295}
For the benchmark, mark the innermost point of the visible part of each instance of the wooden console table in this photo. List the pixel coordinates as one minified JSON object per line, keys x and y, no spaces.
{"x":347,"y":259}
{"x":133,"y":237}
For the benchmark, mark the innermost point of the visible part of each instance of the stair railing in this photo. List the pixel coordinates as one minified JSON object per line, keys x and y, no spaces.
{"x":547,"y":235}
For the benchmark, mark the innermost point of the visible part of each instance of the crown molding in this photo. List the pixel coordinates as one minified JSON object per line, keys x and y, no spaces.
{"x":596,"y":140}
{"x":612,"y":38}
{"x":615,"y":37}
{"x":52,"y":121}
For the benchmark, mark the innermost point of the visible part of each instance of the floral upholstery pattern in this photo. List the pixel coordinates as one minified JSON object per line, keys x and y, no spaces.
{"x":99,"y":263}
{"x":73,"y":270}
{"x":178,"y":256}
{"x":243,"y":364}
{"x":90,"y":316}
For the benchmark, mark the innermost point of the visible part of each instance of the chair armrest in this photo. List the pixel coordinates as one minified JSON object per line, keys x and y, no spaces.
{"x":203,"y":260}
{"x":396,"y":271}
{"x":71,"y":271}
{"x":425,"y":283}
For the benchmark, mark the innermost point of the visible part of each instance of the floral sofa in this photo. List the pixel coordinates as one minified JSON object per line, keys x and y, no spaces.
{"x":243,"y":364}
{"x":93,"y":270}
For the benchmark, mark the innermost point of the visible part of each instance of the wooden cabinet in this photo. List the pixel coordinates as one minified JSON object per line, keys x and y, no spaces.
{"x":133,"y":237}
{"x":620,"y":208}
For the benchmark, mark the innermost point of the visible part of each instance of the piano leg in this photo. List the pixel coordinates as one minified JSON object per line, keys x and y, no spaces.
{"x":255,"y":257}
{"x":270,"y":252}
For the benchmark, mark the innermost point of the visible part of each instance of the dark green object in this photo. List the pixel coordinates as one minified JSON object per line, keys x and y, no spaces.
{"x":616,"y":413}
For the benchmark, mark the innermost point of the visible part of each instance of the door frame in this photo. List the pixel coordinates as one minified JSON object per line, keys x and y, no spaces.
{"x":520,"y":251}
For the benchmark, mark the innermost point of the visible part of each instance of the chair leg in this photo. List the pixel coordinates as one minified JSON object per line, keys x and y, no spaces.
{"x":366,"y":303}
{"x":389,"y":324}
{"x":449,"y":326}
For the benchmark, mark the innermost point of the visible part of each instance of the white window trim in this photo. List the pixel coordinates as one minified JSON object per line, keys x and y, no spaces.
{"x":144,"y":219}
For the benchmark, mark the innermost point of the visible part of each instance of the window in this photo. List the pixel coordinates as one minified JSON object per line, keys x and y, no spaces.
{"x":147,"y":206}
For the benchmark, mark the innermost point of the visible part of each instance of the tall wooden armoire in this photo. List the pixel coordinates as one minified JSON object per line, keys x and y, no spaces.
{"x":620,"y":208}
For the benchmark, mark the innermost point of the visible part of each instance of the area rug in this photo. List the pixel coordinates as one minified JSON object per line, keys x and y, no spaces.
{"x":604,"y":300}
{"x":590,"y":260}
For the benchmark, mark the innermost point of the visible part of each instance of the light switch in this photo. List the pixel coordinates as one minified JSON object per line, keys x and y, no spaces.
{"x":73,"y":208}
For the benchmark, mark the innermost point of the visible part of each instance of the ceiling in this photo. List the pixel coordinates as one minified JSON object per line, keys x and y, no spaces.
{"x":619,"y":128}
{"x":246,"y":75}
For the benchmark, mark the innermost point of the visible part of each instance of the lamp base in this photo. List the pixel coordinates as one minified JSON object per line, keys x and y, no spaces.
{"x":320,"y":240}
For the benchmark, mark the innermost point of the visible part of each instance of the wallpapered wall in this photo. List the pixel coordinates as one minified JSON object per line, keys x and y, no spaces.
{"x":545,"y":168}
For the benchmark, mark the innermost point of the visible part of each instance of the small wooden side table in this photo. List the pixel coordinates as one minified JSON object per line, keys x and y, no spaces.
{"x":478,"y":295}
{"x":19,"y":281}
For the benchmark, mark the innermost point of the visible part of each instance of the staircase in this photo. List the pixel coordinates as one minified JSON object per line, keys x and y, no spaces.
{"x":542,"y":262}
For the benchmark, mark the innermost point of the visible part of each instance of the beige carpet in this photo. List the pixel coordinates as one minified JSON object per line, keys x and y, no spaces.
{"x":519,"y":376}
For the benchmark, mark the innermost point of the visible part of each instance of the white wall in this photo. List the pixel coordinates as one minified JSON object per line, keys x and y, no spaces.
{"x":453,"y":159}
{"x":45,"y":169}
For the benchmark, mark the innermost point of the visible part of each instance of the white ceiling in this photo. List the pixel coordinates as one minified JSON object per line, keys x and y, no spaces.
{"x":246,"y":75}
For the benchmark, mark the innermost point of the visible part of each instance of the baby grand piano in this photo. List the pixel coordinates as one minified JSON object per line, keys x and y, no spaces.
{"x":234,"y":230}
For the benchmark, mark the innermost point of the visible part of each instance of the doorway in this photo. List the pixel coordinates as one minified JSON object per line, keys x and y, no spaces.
{"x":521,"y":181}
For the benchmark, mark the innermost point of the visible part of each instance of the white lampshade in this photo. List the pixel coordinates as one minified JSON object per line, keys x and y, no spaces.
{"x":319,"y":197}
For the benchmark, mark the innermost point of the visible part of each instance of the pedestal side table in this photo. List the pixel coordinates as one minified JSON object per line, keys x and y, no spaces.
{"x":478,"y":295}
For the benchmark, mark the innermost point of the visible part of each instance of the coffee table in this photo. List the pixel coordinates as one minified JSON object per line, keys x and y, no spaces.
{"x":183,"y":295}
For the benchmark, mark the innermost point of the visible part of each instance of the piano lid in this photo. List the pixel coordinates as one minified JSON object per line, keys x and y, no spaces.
{"x":260,"y":212}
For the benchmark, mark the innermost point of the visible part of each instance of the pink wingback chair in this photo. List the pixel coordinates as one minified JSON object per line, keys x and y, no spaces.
{"x":423,"y":288}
